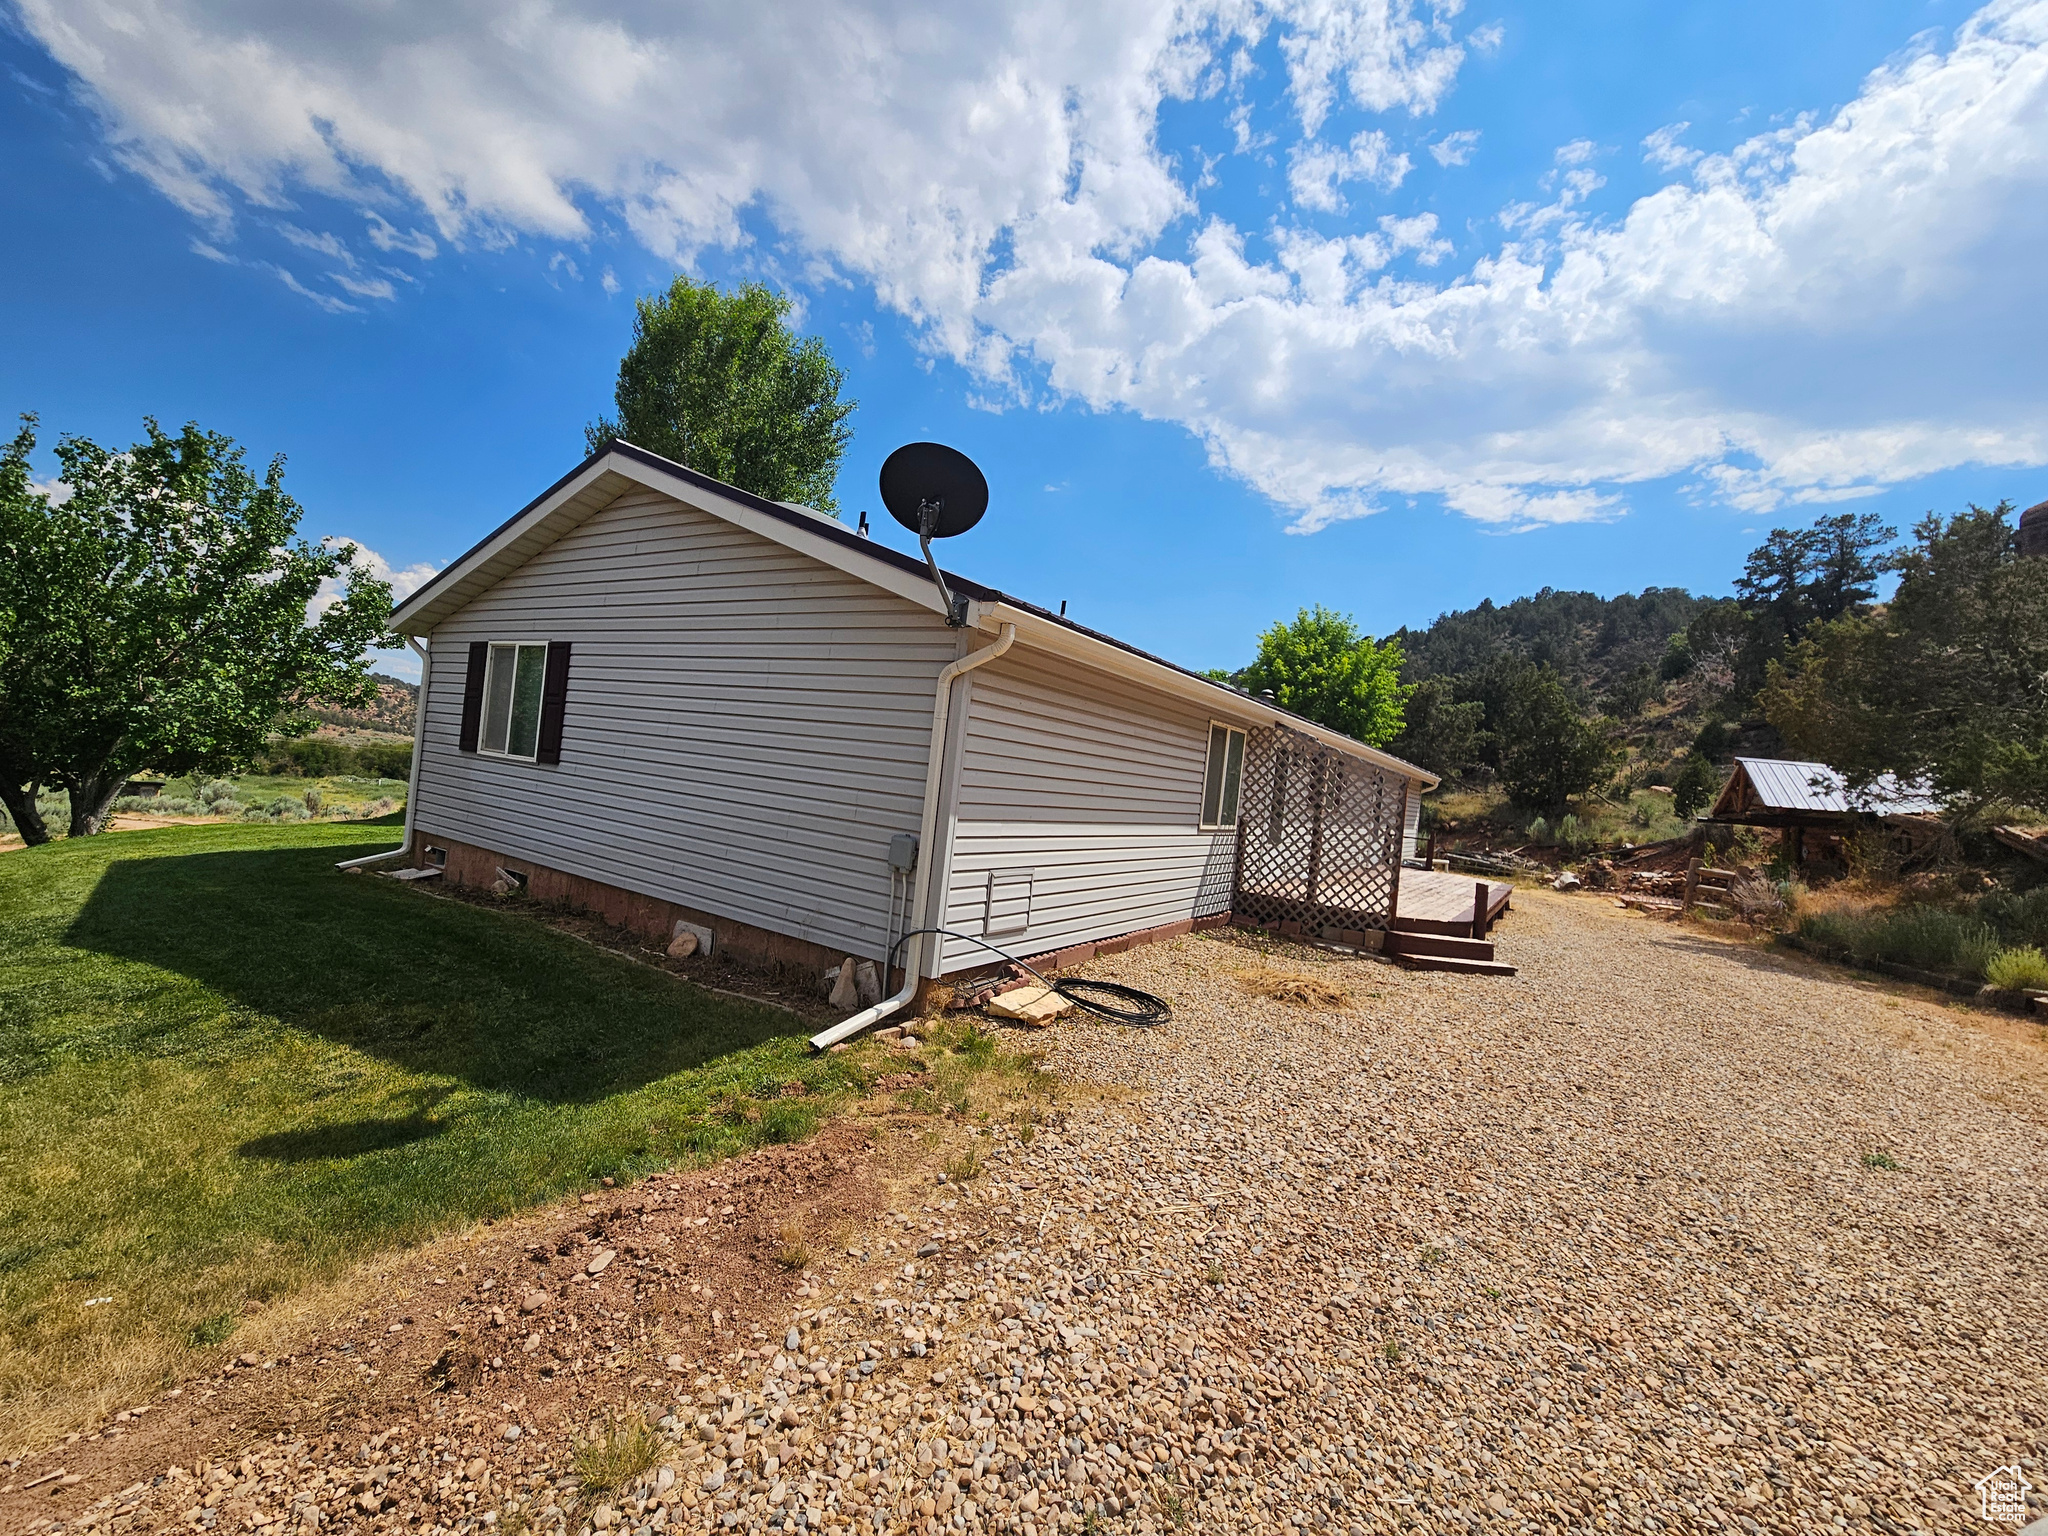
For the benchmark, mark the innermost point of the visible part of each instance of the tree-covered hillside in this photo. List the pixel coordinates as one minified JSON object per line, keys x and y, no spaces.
{"x":1591,"y":642}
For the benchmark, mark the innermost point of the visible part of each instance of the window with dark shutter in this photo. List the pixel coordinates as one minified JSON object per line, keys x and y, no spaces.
{"x":553,"y":695}
{"x":473,"y":695}
{"x":513,"y":701}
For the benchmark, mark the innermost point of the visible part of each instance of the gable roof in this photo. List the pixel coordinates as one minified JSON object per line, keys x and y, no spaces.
{"x":621,"y":466}
{"x":1778,"y":785}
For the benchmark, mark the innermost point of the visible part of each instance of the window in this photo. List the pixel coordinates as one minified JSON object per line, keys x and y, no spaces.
{"x":512,"y":690}
{"x":514,"y":696}
{"x":1219,"y":785}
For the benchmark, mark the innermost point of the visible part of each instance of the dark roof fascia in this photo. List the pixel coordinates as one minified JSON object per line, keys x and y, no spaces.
{"x":825,"y":528}
{"x":834,"y":532}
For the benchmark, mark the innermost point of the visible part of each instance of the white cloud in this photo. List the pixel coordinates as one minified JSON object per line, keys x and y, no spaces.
{"x":364,"y":287}
{"x":404,"y":580}
{"x":609,"y":281}
{"x":387,"y":237}
{"x":213,"y":253}
{"x":1417,"y":234}
{"x":326,"y":301}
{"x":1315,"y":171}
{"x":1455,"y":148}
{"x":1663,"y":150}
{"x":325,"y":244}
{"x":1828,"y":307}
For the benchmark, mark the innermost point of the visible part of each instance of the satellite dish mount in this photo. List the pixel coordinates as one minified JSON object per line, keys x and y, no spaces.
{"x":937,"y":493}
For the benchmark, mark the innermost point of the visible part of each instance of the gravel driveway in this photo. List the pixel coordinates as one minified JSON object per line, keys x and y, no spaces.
{"x":1660,"y":1234}
{"x":1616,"y":1243}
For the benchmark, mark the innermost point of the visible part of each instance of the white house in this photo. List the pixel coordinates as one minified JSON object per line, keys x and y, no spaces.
{"x":664,"y":699}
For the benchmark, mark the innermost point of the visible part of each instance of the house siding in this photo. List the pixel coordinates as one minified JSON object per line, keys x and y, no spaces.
{"x":745,"y":727}
{"x":1095,"y":786}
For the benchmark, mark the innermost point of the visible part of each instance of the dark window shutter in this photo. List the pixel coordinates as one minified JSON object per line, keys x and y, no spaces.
{"x":554,"y":693}
{"x":473,"y":694}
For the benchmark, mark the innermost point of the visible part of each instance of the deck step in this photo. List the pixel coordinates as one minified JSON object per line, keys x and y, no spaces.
{"x":1449,"y":946}
{"x":1453,"y":963}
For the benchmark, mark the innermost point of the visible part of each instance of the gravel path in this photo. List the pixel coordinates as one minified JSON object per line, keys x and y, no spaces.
{"x":1661,"y":1234}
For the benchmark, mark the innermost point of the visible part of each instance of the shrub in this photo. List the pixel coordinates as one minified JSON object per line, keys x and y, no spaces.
{"x":1760,"y":902}
{"x":1573,"y":835}
{"x":385,"y":759}
{"x":1926,"y":938}
{"x":2018,"y":970}
{"x":1539,"y":832}
{"x":2020,"y":917}
{"x":311,"y":757}
{"x":312,"y":799}
{"x":1695,"y":786}
{"x":217,"y":791}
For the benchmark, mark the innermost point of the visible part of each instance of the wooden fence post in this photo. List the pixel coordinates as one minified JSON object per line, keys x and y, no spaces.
{"x":1692,"y":885}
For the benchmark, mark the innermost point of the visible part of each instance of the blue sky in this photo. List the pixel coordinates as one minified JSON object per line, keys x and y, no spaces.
{"x":1242,"y":306}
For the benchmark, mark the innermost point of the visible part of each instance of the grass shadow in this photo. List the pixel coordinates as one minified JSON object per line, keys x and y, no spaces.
{"x":436,"y":988}
{"x":349,"y":1139}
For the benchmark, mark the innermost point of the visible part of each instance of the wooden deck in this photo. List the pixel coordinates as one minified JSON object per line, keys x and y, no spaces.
{"x":1430,"y":902}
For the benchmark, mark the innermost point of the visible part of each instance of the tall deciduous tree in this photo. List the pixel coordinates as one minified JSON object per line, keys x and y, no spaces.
{"x":1949,"y":680}
{"x":718,"y":381}
{"x":154,"y":614}
{"x":1324,"y":667}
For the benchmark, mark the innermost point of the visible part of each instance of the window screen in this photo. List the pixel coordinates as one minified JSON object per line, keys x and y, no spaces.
{"x":512,"y":691}
{"x":1220,"y":783}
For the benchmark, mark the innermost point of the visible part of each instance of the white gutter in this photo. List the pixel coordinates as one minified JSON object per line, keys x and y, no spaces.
{"x":412,"y":787}
{"x":913,"y":959}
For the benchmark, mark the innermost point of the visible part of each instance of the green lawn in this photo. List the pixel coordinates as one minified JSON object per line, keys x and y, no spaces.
{"x":227,"y":1069}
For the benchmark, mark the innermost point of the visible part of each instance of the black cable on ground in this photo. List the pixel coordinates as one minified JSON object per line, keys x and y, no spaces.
{"x":1145,"y":1011}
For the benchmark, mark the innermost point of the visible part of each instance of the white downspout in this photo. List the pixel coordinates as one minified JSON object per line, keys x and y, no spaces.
{"x":412,"y":787}
{"x":913,"y":958}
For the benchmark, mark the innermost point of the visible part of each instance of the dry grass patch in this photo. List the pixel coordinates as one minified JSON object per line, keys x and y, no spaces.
{"x":1295,"y":989}
{"x":619,"y":1451}
{"x":793,"y":1246}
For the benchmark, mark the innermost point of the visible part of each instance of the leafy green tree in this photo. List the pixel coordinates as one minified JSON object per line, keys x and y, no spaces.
{"x":718,"y":381}
{"x":1945,"y":681}
{"x":1438,"y":732}
{"x":1548,"y":751}
{"x":157,"y":617}
{"x":1323,"y":666}
{"x":1696,"y":784}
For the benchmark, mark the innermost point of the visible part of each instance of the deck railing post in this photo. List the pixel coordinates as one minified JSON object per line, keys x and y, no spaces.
{"x":1479,"y":894}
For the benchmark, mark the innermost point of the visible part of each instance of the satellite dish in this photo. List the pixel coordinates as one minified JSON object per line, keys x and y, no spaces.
{"x":934,"y":491}
{"x":937,"y":493}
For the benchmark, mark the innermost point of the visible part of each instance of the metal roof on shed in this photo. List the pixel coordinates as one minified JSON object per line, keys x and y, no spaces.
{"x":1784,"y":786}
